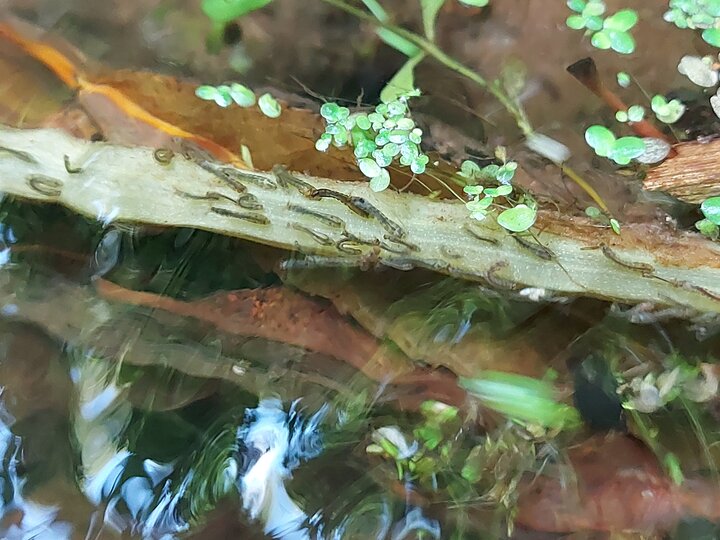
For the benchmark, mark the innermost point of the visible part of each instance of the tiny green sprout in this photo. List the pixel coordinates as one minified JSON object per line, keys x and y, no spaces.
{"x":666,"y":111}
{"x":615,"y":226}
{"x":613,"y":32}
{"x":623,"y":79}
{"x":269,"y":106}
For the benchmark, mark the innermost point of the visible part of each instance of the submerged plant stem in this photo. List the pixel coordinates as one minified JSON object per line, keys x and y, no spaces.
{"x":440,"y":56}
{"x":124,"y":184}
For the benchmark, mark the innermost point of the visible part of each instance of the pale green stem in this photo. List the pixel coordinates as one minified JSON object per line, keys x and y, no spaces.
{"x":435,"y":52}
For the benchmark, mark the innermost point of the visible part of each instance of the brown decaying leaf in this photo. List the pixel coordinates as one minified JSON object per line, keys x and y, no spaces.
{"x":279,"y":314}
{"x":620,"y":486}
{"x":368,"y":296}
{"x":149,"y":109}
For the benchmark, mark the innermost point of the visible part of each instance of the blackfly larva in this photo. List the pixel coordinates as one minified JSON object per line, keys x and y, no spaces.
{"x":644,"y":268}
{"x":258,"y":219}
{"x":371,"y":211}
{"x":258,"y":180}
{"x":450,"y":254}
{"x":536,"y":248}
{"x":45,"y":185}
{"x":69,"y":168}
{"x":400,"y":264}
{"x":324,"y":193}
{"x":480,"y":237}
{"x":20,"y":154}
{"x":328,"y":219}
{"x":163,"y":156}
{"x":312,"y":261}
{"x":689,"y":287}
{"x":397,"y":240}
{"x":230,"y":177}
{"x":194,"y":153}
{"x":498,"y":282}
{"x":285,"y":178}
{"x":319,"y":237}
{"x":209,"y":196}
{"x":346,"y":245}
{"x":249,"y":202}
{"x":392,"y":249}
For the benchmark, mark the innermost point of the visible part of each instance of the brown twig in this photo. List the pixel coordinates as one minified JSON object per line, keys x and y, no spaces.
{"x":586,"y":73}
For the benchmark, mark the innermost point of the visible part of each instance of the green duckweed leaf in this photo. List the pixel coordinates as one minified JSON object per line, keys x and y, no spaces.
{"x":711,"y":209}
{"x":621,"y":21}
{"x":626,"y":149}
{"x":712,"y":36}
{"x":517,"y":219}
{"x":601,"y":40}
{"x":381,"y":181}
{"x":242,"y":95}
{"x":269,"y":106}
{"x":621,"y":42}
{"x":369,"y":167}
{"x":600,"y":139}
{"x":576,"y":22}
{"x":623,"y":79}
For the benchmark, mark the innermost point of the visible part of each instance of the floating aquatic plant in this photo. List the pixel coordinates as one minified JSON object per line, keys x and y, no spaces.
{"x":710,"y":225}
{"x":612,"y":32}
{"x":605,"y":144}
{"x":225,"y":95}
{"x":385,"y":136}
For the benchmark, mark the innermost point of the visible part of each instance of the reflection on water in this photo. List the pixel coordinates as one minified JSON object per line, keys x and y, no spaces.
{"x":166,"y":416}
{"x":23,"y":518}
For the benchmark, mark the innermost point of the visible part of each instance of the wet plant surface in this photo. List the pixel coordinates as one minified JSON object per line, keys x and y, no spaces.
{"x":256,"y":284}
